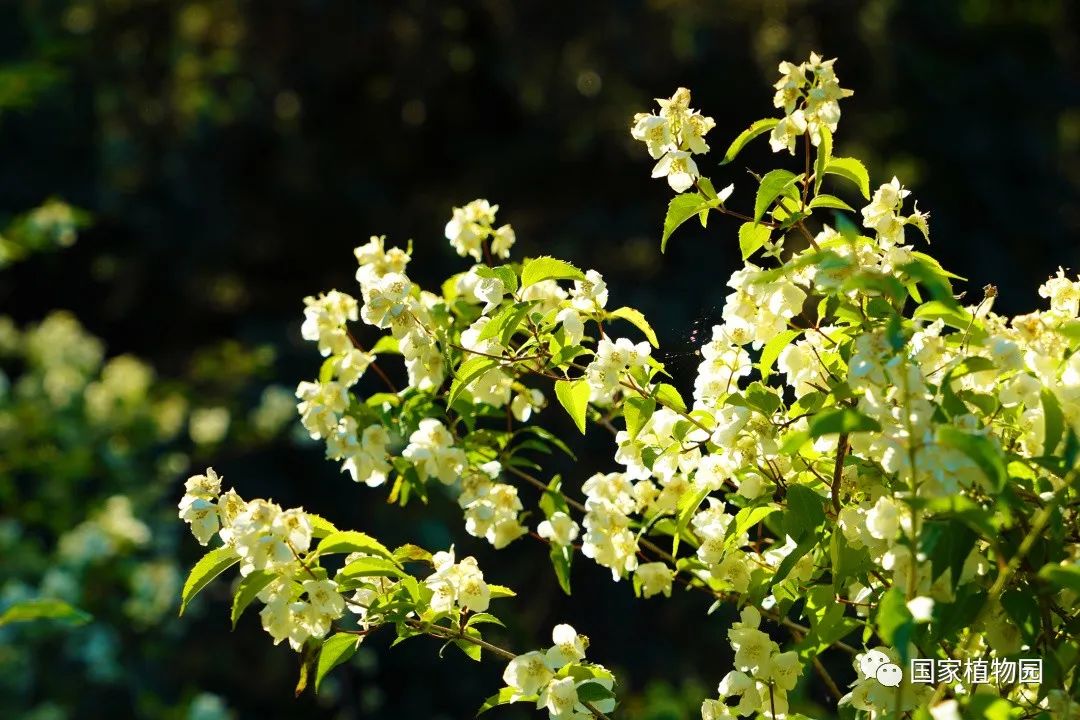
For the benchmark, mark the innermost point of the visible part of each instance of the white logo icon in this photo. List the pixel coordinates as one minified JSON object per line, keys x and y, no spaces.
{"x":890,"y":675}
{"x":876,"y":664}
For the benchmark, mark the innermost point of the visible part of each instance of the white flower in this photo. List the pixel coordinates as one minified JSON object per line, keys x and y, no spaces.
{"x":921,"y":608}
{"x":655,"y":578}
{"x":324,"y":597}
{"x":569,"y":647}
{"x":431,"y":449}
{"x":883,"y":519}
{"x":787,"y":132}
{"x":559,"y":529}
{"x":527,"y":674}
{"x":679,"y":168}
{"x":559,"y":697}
{"x":589,"y":295}
{"x":201,"y":514}
{"x":655,"y":132}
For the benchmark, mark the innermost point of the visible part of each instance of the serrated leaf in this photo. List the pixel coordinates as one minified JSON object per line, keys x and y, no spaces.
{"x":561,"y":560}
{"x":805,"y":511}
{"x":748,"y":518}
{"x":668,"y":396}
{"x":772,"y":185}
{"x":680,"y":209}
{"x":387,"y":344}
{"x":829,"y":201}
{"x":636,"y":412}
{"x":337,"y":649}
{"x":548,"y":268}
{"x":320,"y":526}
{"x":371,"y":567}
{"x":752,"y":237}
{"x":1053,"y":422}
{"x":980,"y":449}
{"x":411,"y":553}
{"x":853,"y":170}
{"x":894,"y":620}
{"x":209,"y":567}
{"x":687,"y":507}
{"x":349,"y":541}
{"x":839,"y":421}
{"x":468,"y":371}
{"x":1066,"y":577}
{"x":573,"y":395}
{"x":247,"y":590}
{"x":637,"y":319}
{"x":500,"y":591}
{"x":483,"y":618}
{"x":772,"y":351}
{"x":948,"y":545}
{"x":504,"y":697}
{"x":759,"y":127}
{"x":44,"y":609}
{"x":824,"y":155}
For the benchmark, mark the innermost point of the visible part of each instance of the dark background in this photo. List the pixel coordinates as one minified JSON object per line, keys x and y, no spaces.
{"x":233,"y":153}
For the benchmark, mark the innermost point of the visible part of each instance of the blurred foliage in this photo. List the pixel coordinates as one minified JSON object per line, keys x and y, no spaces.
{"x":220,"y":144}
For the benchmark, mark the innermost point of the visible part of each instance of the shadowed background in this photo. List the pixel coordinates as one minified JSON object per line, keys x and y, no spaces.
{"x":233,"y":153}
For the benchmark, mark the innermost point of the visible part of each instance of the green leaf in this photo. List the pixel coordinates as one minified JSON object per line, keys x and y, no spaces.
{"x":482,"y":618}
{"x":411,"y":553}
{"x":688,"y":505}
{"x":948,"y":545}
{"x":842,"y":421}
{"x":387,"y":344}
{"x":209,"y":567}
{"x":592,"y":692}
{"x":349,"y":541}
{"x":503,"y":697}
{"x":805,"y":511}
{"x":371,"y":567}
{"x":637,"y":411}
{"x":574,"y":397}
{"x":548,"y":268}
{"x":309,"y":656}
{"x":668,"y":396}
{"x":246,"y":591}
{"x":760,"y":127}
{"x":980,"y":449}
{"x":468,"y":371}
{"x":44,"y":609}
{"x":830,"y":201}
{"x":772,"y":351}
{"x":752,"y":236}
{"x":772,"y":185}
{"x":320,"y":526}
{"x":894,"y":621}
{"x":561,"y":559}
{"x":853,"y":170}
{"x":1023,"y":609}
{"x":635,"y":318}
{"x":1054,"y":422}
{"x":748,"y":518}
{"x":337,"y":649}
{"x":824,"y":155}
{"x":1066,"y":577}
{"x":499,"y":591}
{"x":680,"y":209}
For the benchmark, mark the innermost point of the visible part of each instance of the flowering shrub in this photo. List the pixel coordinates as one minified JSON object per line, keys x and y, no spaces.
{"x":865,"y":466}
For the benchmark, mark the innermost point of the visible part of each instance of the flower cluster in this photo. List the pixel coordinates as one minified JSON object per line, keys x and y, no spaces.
{"x":473,"y":225}
{"x":556,"y":676}
{"x":269,"y":541}
{"x":673,"y":137}
{"x":809,"y":94}
{"x":763,"y":676}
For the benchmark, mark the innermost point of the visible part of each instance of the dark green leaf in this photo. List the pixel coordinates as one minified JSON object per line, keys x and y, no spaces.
{"x":209,"y":567}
